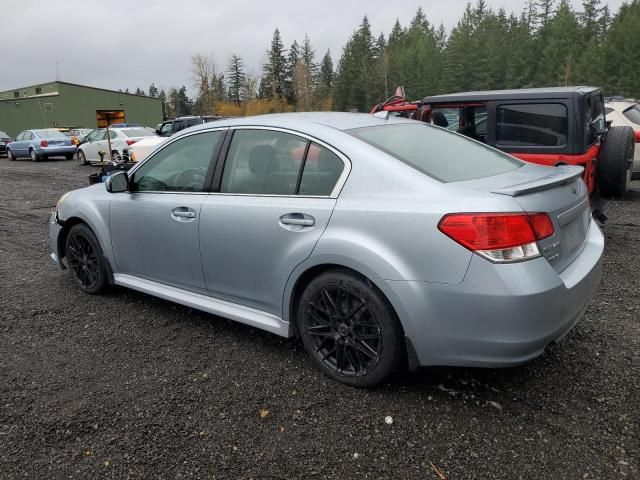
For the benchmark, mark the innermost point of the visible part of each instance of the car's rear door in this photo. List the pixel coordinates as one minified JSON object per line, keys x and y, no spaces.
{"x":154,"y":228}
{"x":276,"y":191}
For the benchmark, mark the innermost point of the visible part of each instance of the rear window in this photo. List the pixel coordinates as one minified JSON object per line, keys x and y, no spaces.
{"x":443,"y":155}
{"x":633,"y":114}
{"x":137,"y":132}
{"x":3,"y":134}
{"x":49,"y":133}
{"x":538,"y":125}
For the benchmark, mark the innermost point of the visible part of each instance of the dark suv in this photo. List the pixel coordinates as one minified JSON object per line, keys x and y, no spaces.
{"x":548,"y":126}
{"x":169,"y":127}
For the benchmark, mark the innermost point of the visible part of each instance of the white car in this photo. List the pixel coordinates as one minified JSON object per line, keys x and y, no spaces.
{"x":142,"y":148}
{"x":97,"y":149}
{"x":622,"y":114}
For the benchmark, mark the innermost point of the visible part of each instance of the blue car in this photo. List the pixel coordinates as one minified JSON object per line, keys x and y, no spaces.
{"x":41,"y":144}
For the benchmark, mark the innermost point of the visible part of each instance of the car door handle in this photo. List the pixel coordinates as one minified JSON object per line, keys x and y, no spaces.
{"x":183,"y":213}
{"x":298,"y":219}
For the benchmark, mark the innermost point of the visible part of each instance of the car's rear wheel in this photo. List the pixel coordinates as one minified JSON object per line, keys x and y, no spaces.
{"x":349,"y":329}
{"x":82,"y":159}
{"x":10,"y":155}
{"x":614,"y":164}
{"x":85,"y":259}
{"x":33,"y":155}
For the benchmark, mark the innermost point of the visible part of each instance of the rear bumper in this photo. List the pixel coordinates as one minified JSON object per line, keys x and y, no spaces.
{"x":500,"y":315}
{"x":57,"y":150}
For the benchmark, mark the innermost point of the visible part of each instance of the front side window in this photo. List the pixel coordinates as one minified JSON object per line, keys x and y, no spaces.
{"x":537,"y":125}
{"x":100,"y":136}
{"x":20,"y":136}
{"x":181,"y":166}
{"x":263,"y":162}
{"x":633,"y":114}
{"x":166,"y":129}
{"x":437,"y":153}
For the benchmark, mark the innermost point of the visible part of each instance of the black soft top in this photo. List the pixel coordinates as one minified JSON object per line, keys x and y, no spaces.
{"x":520,"y":93}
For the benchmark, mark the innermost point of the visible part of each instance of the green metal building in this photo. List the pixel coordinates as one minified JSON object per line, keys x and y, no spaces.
{"x":62,"y":104}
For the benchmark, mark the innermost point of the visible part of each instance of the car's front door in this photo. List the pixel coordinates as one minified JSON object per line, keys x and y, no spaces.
{"x":18,"y":145}
{"x":274,"y":199}
{"x":92,"y":147}
{"x":154,"y":228}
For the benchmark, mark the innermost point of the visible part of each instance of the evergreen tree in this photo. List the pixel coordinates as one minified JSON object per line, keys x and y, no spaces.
{"x":325,"y":78}
{"x":621,"y":47}
{"x":292,"y":60}
{"x":235,"y":69}
{"x":274,"y":71}
{"x":559,"y":53}
{"x":153,"y":90}
{"x":163,"y":99}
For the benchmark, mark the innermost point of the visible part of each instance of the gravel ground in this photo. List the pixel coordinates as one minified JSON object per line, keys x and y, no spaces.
{"x":128,"y":386}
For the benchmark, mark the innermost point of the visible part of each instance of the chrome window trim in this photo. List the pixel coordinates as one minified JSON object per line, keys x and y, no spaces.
{"x":334,"y":193}
{"x":169,"y":141}
{"x":337,"y":188}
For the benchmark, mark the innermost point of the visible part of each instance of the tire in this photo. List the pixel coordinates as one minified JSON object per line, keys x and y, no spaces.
{"x":116,"y":157}
{"x":10,"y":155}
{"x":33,"y":155}
{"x":82,"y":159}
{"x":69,"y":156}
{"x":85,"y":259}
{"x":614,"y":163}
{"x":349,"y":329}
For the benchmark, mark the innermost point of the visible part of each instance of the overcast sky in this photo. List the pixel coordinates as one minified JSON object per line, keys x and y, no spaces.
{"x":128,"y":44}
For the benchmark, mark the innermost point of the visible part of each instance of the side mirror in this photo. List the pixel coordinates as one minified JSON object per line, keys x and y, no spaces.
{"x":117,"y":182}
{"x":158,"y":132}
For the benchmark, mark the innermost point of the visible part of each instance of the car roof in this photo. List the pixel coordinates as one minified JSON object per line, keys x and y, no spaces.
{"x":521,"y":93}
{"x":305,"y":121}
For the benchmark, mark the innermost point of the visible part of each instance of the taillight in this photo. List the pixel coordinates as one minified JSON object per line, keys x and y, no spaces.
{"x":637,"y":135}
{"x":44,"y":143}
{"x":499,"y":237}
{"x":131,"y":142}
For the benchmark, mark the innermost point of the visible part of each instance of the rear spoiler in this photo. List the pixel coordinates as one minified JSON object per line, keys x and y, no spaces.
{"x":564,"y":175}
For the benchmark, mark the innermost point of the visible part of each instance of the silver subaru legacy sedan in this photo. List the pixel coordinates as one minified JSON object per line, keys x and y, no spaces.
{"x":379,"y":242}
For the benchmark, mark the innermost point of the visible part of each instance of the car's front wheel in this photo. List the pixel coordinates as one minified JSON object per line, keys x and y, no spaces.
{"x":82,"y":159}
{"x":349,"y":329}
{"x":85,"y":259}
{"x":10,"y":155}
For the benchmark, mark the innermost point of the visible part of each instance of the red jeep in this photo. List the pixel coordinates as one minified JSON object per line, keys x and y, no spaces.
{"x":548,"y":126}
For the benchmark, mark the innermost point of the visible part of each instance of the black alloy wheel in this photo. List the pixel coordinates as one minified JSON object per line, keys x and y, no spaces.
{"x":349,"y":328}
{"x":345,"y":333}
{"x":85,"y":259}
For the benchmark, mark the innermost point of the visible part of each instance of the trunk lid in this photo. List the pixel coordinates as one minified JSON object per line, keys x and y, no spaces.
{"x":557,"y":191}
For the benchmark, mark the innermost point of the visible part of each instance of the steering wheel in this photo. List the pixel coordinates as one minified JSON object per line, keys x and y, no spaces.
{"x":191,"y":179}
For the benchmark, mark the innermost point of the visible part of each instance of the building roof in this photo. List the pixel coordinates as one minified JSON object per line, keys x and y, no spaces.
{"x":33,"y":86}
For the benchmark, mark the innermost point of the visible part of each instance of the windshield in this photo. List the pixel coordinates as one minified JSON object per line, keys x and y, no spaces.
{"x":443,"y":155}
{"x":49,"y":133}
{"x":137,"y":132}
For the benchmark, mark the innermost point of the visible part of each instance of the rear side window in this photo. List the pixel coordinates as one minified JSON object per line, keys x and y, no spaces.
{"x":442,"y":155}
{"x":633,"y":114}
{"x":322,"y":169}
{"x":538,"y":125}
{"x":263,"y":162}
